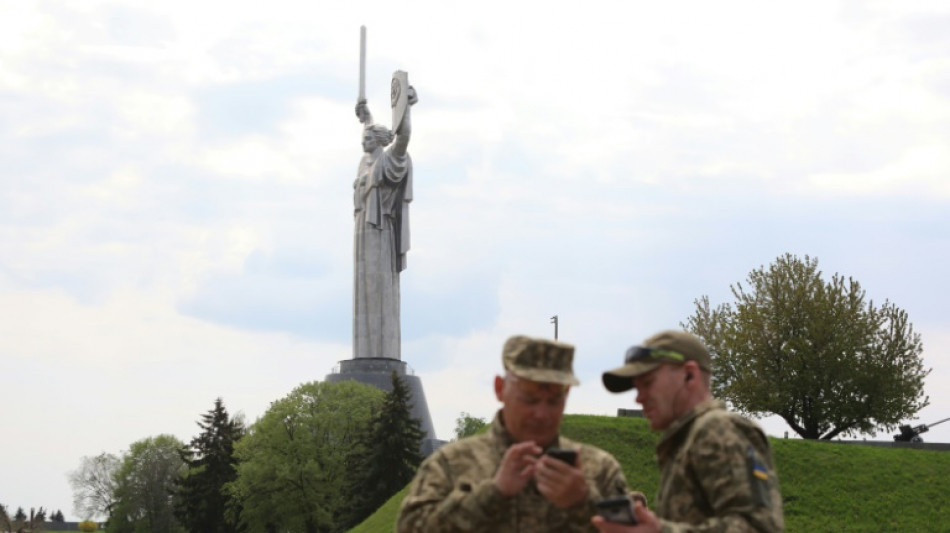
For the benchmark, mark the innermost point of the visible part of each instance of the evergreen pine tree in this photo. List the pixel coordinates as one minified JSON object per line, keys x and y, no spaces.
{"x":5,"y":523}
{"x":390,"y":456}
{"x":356,"y":488}
{"x":201,"y":501}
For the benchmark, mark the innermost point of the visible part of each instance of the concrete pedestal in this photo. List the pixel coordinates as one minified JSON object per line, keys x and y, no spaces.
{"x":377,"y":371}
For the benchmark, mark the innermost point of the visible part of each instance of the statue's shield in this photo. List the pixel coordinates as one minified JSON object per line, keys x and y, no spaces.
{"x":399,"y":96}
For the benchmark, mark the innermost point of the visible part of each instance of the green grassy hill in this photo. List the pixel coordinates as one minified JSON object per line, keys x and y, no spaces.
{"x":826,"y":486}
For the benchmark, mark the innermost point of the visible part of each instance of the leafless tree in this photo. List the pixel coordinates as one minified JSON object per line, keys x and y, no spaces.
{"x":94,"y":485}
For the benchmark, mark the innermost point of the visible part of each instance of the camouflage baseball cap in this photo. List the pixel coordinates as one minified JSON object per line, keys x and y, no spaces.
{"x":540,"y":360}
{"x":667,"y":347}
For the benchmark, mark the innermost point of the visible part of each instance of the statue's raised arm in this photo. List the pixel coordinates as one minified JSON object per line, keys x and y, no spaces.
{"x":403,"y":128}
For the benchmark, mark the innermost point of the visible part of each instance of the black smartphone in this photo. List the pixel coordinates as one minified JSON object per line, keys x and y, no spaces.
{"x":564,"y":454}
{"x":618,"y":510}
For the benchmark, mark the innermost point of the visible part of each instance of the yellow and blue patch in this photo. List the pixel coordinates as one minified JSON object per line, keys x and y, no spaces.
{"x":758,"y":479}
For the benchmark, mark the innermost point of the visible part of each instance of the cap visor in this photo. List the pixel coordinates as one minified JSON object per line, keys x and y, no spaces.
{"x":620,"y":379}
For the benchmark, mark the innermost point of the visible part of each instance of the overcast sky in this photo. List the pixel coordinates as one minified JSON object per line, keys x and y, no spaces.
{"x":176,"y":200}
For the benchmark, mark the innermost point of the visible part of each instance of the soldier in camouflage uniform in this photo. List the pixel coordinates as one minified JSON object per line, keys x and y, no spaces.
{"x":500,"y":481}
{"x":716,"y":468}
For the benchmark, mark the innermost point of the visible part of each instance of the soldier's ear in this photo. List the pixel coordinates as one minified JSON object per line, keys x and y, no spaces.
{"x":691,"y":370}
{"x":500,"y":388}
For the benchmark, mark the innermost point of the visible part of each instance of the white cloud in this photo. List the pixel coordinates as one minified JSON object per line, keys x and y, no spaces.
{"x":151,"y":113}
{"x":250,"y":158}
{"x":920,"y":170}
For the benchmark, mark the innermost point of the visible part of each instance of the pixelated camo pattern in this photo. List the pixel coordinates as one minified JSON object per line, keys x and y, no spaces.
{"x":453,"y":491}
{"x":525,"y":352}
{"x":717,"y":475}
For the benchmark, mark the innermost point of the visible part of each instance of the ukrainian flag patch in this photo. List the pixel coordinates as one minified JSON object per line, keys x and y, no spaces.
{"x":758,"y":479}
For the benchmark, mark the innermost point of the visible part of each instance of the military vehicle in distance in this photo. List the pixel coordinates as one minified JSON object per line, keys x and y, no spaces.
{"x":910,"y":433}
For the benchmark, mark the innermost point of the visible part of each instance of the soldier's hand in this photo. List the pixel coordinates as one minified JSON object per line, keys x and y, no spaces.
{"x":562,"y":484}
{"x":517,"y":467}
{"x":411,"y":96}
{"x":648,"y":522}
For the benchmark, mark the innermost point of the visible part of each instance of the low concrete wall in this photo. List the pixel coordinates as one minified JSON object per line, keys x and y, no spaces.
{"x":931,"y":446}
{"x":61,"y":526}
{"x":633,"y":413}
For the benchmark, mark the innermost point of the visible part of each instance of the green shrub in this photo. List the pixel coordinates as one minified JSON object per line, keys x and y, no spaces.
{"x":88,"y":526}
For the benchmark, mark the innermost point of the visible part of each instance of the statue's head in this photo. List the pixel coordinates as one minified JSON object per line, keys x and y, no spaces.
{"x":376,"y":136}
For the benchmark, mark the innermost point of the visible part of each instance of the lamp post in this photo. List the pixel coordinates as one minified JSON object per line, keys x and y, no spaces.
{"x":554,"y":321}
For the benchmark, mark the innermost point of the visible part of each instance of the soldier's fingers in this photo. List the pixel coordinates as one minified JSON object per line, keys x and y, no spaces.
{"x":522,"y":449}
{"x":528,"y":469}
{"x":602,"y":525}
{"x":520,"y":466}
{"x":549,"y":490}
{"x":517,"y":455}
{"x":545,"y":473}
{"x":645,"y":516}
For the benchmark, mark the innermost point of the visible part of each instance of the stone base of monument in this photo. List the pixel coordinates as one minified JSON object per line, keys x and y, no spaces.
{"x":377,"y":371}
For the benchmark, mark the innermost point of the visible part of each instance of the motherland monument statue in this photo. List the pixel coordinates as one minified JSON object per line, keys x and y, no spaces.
{"x":381,"y":196}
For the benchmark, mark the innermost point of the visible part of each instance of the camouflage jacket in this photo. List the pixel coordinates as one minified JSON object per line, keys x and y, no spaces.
{"x":717,"y":475}
{"x":454,"y":490}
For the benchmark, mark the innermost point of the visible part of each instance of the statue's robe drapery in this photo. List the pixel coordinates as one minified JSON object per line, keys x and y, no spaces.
{"x":382,"y":192}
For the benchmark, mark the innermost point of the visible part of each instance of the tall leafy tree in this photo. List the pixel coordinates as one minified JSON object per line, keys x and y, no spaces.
{"x":94,"y":485}
{"x":144,"y":487}
{"x":292,"y":464}
{"x":210,"y":464}
{"x":391,"y":456}
{"x":467,"y":425}
{"x":816,"y":353}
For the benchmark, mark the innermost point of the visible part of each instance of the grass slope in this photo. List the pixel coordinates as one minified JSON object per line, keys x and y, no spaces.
{"x":826,"y":486}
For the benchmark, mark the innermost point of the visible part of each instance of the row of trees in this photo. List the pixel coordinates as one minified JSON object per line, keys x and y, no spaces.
{"x":319,"y":460}
{"x":22,"y":522}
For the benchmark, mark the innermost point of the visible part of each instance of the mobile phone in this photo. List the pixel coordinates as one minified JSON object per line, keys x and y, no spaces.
{"x":564,"y":454}
{"x":618,"y":510}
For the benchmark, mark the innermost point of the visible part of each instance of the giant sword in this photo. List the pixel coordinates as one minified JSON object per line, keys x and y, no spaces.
{"x":362,"y":97}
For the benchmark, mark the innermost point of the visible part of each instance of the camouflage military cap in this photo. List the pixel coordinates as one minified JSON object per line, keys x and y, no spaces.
{"x":666,"y":347}
{"x":541,"y":360}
